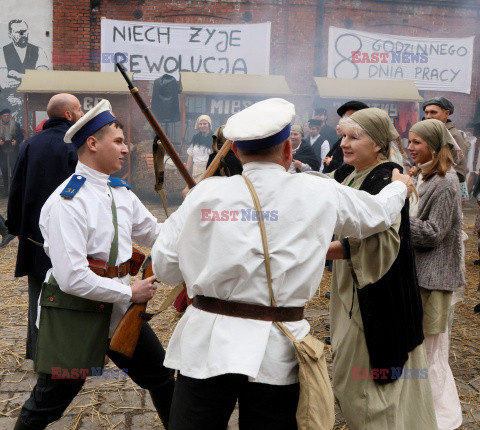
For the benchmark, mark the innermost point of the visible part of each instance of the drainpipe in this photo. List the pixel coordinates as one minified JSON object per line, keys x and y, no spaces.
{"x":317,"y":69}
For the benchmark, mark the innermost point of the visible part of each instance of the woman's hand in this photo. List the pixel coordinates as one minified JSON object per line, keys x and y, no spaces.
{"x":397,"y":176}
{"x":298,"y":164}
{"x":413,"y":171}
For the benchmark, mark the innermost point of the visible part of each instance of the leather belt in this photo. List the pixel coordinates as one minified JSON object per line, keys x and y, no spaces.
{"x":247,"y":310}
{"x":118,"y":271}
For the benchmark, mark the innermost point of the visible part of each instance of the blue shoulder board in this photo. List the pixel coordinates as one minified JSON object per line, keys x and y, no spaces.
{"x":118,"y":182}
{"x":73,"y":186}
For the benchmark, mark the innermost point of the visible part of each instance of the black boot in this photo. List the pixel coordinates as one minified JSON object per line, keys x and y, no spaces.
{"x":162,"y":400}
{"x":20,"y":425}
{"x":6,"y":237}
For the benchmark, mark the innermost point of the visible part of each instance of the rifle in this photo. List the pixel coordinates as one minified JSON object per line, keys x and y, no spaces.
{"x":124,"y":339}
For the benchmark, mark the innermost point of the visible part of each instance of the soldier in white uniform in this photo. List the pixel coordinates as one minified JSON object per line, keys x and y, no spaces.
{"x":96,"y":216}
{"x":225,"y":346}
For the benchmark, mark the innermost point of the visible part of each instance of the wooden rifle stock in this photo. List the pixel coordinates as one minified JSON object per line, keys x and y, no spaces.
{"x":125,"y":337}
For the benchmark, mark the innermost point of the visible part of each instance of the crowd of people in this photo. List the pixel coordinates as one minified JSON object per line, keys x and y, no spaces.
{"x":397,"y":250}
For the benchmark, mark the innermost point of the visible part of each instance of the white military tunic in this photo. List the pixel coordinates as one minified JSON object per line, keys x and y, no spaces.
{"x":224,"y":258}
{"x":83,"y":226}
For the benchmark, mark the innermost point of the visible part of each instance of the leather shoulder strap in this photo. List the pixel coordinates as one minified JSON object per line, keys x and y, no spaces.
{"x":261,"y":224}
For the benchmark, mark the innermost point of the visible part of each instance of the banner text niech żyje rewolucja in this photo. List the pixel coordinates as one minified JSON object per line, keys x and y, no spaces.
{"x":151,"y":49}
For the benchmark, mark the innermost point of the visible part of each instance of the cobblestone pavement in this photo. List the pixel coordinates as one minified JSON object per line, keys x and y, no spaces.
{"x":120,"y":404}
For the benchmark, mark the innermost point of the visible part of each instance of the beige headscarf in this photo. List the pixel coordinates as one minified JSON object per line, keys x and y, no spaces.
{"x":377,"y":125}
{"x":206,"y":118}
{"x":433,"y":132}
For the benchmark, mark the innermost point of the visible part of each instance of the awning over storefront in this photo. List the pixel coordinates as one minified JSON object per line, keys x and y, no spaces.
{"x":55,"y":81}
{"x":90,"y":87}
{"x":220,"y":83}
{"x":367,"y":89}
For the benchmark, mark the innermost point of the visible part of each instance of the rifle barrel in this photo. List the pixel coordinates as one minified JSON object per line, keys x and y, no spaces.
{"x":157,"y":128}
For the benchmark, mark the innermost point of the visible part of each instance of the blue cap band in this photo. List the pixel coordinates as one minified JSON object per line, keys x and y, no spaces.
{"x":91,"y":127}
{"x":266,"y":142}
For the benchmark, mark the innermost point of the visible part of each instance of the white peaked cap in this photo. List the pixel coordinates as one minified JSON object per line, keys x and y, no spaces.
{"x":261,"y":125}
{"x":89,"y":123}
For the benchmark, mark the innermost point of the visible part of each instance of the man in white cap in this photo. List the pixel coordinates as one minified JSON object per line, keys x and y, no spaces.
{"x":226,"y":347}
{"x":92,"y":215}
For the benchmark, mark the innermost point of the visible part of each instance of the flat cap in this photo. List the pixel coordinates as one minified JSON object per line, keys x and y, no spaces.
{"x":4,"y":111}
{"x":442,"y":102}
{"x":261,"y":125}
{"x":315,"y":123}
{"x":351,"y":105}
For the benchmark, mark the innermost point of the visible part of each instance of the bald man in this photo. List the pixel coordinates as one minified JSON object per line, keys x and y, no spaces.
{"x":43,"y":163}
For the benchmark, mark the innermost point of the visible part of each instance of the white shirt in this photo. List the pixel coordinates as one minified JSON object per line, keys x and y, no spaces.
{"x":83,"y":226}
{"x":199,"y":153}
{"x":224,"y":259}
{"x":324,"y":148}
{"x":312,"y":140}
{"x":323,"y":153}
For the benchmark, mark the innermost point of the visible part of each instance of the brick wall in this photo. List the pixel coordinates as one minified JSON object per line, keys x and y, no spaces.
{"x":76,"y":30}
{"x":436,"y":19}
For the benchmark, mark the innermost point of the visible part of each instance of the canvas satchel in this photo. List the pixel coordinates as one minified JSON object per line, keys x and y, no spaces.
{"x":73,"y":331}
{"x":316,"y":402}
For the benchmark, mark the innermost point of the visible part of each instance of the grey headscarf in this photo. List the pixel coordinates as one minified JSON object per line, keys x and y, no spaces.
{"x":433,"y":132}
{"x":377,"y":125}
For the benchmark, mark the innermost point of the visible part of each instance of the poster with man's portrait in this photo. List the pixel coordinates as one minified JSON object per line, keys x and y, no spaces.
{"x":25,"y":43}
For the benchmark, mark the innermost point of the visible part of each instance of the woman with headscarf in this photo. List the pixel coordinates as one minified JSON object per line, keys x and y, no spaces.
{"x":379,"y":362}
{"x":229,"y":165}
{"x":304,"y":158}
{"x":436,"y":227}
{"x":200,"y":147}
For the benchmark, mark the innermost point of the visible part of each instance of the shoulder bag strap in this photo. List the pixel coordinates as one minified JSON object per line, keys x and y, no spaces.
{"x":112,"y":257}
{"x":261,"y":224}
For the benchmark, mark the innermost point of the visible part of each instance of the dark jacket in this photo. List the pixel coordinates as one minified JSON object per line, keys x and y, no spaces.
{"x":201,"y":140}
{"x":18,"y":136}
{"x":307,"y":155}
{"x":461,"y":167}
{"x":337,"y":153}
{"x":329,"y":133}
{"x":43,"y":163}
{"x":13,"y":60}
{"x":391,"y":308}
{"x":229,"y":165}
